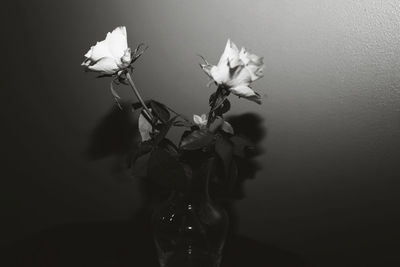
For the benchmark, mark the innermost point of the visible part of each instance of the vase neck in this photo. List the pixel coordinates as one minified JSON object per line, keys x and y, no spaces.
{"x":198,"y":176}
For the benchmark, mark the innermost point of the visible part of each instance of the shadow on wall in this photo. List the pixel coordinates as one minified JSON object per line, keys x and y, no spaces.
{"x":130,"y":243}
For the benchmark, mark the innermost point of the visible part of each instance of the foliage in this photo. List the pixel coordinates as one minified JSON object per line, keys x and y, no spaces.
{"x":208,"y":137}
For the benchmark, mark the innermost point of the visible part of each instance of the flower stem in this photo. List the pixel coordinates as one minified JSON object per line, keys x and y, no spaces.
{"x":135,"y":90}
{"x":220,"y":97}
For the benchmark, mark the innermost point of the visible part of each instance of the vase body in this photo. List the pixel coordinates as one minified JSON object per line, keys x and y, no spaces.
{"x":190,"y":229}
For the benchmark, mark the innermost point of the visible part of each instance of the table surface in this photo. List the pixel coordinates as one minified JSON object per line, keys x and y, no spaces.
{"x":126,"y":244}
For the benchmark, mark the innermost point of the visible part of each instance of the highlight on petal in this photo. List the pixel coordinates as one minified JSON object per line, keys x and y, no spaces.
{"x":239,"y":76}
{"x":145,"y":128}
{"x":106,"y":65}
{"x":100,"y":50}
{"x":117,"y":42}
{"x":220,"y":74}
{"x":253,"y":63}
{"x":246,"y":92}
{"x":230,"y":54}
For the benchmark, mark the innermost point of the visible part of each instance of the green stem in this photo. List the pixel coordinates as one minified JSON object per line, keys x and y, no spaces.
{"x":135,"y":90}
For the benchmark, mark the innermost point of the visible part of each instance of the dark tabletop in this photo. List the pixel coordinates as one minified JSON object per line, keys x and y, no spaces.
{"x":125,"y":244}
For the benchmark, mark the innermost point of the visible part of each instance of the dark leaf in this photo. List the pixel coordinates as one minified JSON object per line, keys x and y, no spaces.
{"x":143,"y":149}
{"x":216,"y":124}
{"x":212,"y":99}
{"x":165,"y":169}
{"x":163,"y":132}
{"x":140,"y":165}
{"x":197,"y":139}
{"x":224,"y":108}
{"x":160,"y":111}
{"x":169,"y":146}
{"x":138,"y":52}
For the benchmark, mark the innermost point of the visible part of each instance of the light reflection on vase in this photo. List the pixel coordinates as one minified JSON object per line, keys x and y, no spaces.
{"x":189,"y":229}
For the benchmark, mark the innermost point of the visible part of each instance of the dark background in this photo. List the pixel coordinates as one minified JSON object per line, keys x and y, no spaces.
{"x":328,"y":190}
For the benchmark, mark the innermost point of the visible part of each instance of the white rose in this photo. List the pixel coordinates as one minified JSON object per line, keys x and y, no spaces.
{"x":201,"y":121}
{"x":236,"y":70}
{"x":110,"y":55}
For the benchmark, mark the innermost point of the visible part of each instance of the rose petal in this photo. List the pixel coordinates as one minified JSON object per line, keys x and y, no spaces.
{"x":117,"y":42}
{"x":220,"y":73}
{"x":231,"y":53}
{"x":246,"y":92}
{"x":89,"y":53}
{"x":239,"y":76}
{"x":253,"y":63}
{"x":99,"y":51}
{"x":105,"y":65}
{"x":256,"y":72}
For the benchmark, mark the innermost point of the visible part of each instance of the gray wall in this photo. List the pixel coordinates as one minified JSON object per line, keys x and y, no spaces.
{"x":328,"y":188}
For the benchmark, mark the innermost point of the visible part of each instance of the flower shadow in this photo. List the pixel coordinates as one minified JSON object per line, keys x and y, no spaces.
{"x":251,"y":127}
{"x":129,"y":242}
{"x":115,"y":136}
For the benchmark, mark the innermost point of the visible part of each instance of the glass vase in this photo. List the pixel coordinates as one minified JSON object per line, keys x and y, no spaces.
{"x":189,"y":228}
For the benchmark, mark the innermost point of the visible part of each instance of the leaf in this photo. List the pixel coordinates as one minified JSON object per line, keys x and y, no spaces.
{"x":197,"y":139}
{"x":169,"y":146}
{"x":160,"y":111}
{"x":219,"y":102}
{"x":224,"y":108}
{"x":224,"y":149}
{"x":138,"y":52}
{"x":145,"y":128}
{"x":165,"y":170}
{"x":216,"y":124}
{"x":143,"y":149}
{"x":227,"y":127}
{"x":164,"y":131}
{"x":212,"y":99}
{"x":136,"y":113}
{"x":139,"y":166}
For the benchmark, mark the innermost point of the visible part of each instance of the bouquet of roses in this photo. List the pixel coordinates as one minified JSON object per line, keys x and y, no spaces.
{"x":207,"y":136}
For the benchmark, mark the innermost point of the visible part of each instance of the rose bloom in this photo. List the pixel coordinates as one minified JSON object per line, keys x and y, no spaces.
{"x":236,"y":70}
{"x":110,"y":55}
